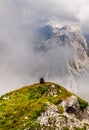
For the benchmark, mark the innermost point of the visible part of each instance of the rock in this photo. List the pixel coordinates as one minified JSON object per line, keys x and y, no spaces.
{"x":5,"y":98}
{"x":51,"y":118}
{"x":71,"y":106}
{"x":72,"y":116}
{"x":53,"y":91}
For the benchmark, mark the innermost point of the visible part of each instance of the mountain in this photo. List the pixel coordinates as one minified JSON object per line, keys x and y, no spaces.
{"x":70,"y":39}
{"x":64,"y":56}
{"x":47,"y":106}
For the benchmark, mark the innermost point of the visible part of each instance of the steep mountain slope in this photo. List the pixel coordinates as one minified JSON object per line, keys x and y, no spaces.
{"x":70,"y":40}
{"x":45,"y":106}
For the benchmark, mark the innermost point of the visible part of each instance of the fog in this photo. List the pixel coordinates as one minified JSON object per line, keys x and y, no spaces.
{"x":20,"y":21}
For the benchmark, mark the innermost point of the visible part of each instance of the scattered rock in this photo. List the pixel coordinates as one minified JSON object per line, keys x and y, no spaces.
{"x":25,"y":117}
{"x":52,"y":91}
{"x":5,"y":98}
{"x":72,"y":116}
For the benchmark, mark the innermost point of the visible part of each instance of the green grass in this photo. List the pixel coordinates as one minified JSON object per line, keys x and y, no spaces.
{"x":60,"y":109}
{"x":78,"y":128}
{"x":83,"y":104}
{"x":23,"y":106}
{"x":65,"y":128}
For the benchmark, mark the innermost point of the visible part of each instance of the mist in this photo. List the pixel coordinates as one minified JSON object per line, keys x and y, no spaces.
{"x":20,"y":22}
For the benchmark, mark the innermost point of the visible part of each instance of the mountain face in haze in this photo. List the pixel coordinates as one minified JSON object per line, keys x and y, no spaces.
{"x":69,"y":39}
{"x":45,"y":106}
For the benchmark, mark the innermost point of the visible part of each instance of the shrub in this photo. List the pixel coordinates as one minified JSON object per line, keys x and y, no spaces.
{"x":78,"y":128}
{"x":65,"y":128}
{"x":60,"y":109}
{"x":83,"y":104}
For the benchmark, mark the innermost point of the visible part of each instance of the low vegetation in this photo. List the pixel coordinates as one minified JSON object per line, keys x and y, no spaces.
{"x":20,"y":109}
{"x":83,"y":104}
{"x":65,"y":128}
{"x":78,"y":128}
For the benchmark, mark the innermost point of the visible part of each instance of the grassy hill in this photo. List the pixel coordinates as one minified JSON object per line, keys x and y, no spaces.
{"x":20,"y":109}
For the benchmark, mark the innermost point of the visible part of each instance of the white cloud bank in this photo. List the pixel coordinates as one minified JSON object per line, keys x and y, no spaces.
{"x":19,"y":19}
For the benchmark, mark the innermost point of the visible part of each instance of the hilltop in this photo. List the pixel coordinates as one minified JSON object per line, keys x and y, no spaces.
{"x":47,"y":106}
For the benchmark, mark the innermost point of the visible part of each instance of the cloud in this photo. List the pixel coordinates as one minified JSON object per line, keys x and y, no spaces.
{"x":30,"y":13}
{"x":73,"y":10}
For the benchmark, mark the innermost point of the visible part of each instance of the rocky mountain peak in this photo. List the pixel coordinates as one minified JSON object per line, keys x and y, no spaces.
{"x":69,"y":35}
{"x":70,"y":40}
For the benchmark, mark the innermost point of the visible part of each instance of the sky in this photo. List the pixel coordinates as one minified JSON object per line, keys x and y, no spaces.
{"x":19,"y":22}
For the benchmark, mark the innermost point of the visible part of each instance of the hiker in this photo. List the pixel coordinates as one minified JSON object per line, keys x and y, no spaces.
{"x":41,"y":80}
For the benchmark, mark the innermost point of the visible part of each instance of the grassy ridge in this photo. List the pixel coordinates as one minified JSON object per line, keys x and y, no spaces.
{"x":19,"y":109}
